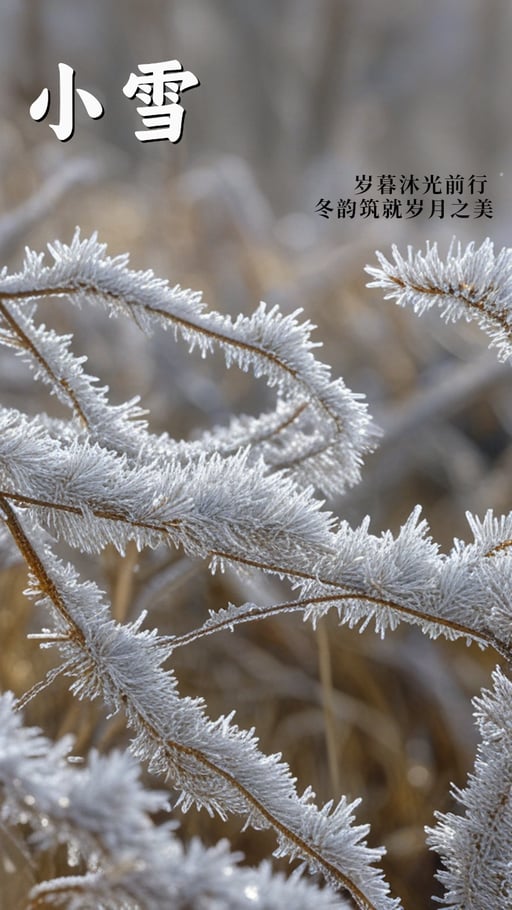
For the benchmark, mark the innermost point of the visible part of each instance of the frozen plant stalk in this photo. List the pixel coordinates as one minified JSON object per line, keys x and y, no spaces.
{"x":244,"y":495}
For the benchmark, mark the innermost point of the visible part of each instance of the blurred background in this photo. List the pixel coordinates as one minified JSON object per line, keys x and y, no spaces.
{"x":296,"y":100}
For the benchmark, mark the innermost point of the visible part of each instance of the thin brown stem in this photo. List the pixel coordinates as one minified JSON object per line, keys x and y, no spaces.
{"x":141,"y":721}
{"x":270,"y":434}
{"x":255,"y":613}
{"x":38,"y":569}
{"x":499,"y":317}
{"x":123,"y":587}
{"x":31,"y":348}
{"x":327,"y":689}
{"x":308,"y":850}
{"x":184,"y":323}
{"x":499,"y":548}
{"x":40,"y":686}
{"x":107,"y":514}
{"x":187,"y":324}
{"x":276,"y":569}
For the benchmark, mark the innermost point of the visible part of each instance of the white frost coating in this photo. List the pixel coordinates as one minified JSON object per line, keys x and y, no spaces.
{"x":470,"y":283}
{"x":101,"y":811}
{"x":336,"y":430}
{"x":243,"y":495}
{"x":476,"y":847}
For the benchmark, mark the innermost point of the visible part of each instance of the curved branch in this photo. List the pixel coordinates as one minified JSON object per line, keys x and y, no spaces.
{"x":252,"y":613}
{"x":144,"y":721}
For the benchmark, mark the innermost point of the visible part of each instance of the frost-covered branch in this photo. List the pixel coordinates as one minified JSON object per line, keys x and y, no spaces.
{"x":242,"y":495}
{"x":476,"y":847}
{"x":333,"y":431}
{"x":103,"y":815}
{"x":473,"y":283}
{"x":391,"y":579}
{"x":228,"y":510}
{"x":214,"y":764}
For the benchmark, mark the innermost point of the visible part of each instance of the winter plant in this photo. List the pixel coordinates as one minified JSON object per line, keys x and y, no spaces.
{"x":245,"y":495}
